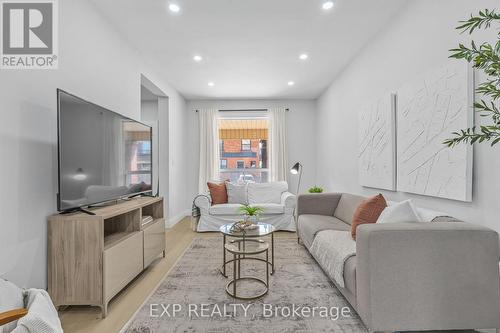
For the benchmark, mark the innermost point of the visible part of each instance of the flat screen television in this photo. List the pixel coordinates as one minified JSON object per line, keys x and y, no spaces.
{"x":102,"y":155}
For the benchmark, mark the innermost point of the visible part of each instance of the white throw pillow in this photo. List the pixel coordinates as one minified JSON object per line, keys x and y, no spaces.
{"x":399,"y":212}
{"x":265,"y":193}
{"x":236,"y":193}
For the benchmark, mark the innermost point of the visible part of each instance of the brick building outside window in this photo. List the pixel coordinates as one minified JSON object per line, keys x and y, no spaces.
{"x":243,"y":149}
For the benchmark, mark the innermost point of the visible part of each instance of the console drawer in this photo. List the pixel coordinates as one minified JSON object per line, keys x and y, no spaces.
{"x":154,"y":241}
{"x":122,"y":263}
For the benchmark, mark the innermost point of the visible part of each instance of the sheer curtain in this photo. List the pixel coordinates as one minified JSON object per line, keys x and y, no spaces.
{"x":209,"y":147}
{"x":278,"y":151}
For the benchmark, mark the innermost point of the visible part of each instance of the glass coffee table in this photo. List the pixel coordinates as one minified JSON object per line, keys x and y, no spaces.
{"x":262,"y":230}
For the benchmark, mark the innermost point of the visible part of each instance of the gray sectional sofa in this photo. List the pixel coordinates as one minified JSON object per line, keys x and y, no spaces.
{"x":411,"y":276}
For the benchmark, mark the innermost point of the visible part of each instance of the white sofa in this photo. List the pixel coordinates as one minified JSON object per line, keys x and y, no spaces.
{"x":278,"y":205}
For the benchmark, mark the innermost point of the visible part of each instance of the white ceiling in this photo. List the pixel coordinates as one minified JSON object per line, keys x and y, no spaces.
{"x":250,"y":48}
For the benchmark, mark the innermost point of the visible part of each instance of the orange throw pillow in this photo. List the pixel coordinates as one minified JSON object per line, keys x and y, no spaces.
{"x":218,"y":193}
{"x":368,"y":212}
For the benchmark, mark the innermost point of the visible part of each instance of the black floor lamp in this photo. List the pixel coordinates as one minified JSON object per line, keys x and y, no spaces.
{"x":297,"y":169}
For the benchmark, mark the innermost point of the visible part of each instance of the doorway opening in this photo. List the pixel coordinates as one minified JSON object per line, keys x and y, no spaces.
{"x":154,"y":112}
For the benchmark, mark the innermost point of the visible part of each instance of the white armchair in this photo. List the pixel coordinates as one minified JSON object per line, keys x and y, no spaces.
{"x":278,"y":205}
{"x":203,"y":201}
{"x":289,"y":200}
{"x":27,"y":311}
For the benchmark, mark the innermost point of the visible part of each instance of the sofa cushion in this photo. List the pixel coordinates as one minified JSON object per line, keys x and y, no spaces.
{"x":234,"y":209}
{"x":350,"y":274}
{"x":368,"y":212}
{"x":11,"y":298}
{"x":225,"y":209}
{"x":218,"y":192}
{"x":236,"y":193}
{"x":347,"y":206}
{"x":266,"y":192}
{"x":272,"y":208}
{"x":309,"y":225}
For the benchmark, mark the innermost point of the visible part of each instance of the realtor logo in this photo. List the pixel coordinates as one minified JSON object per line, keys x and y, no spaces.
{"x":29,"y":34}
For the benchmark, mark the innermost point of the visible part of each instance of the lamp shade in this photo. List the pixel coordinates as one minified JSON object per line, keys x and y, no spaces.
{"x":296,"y":168}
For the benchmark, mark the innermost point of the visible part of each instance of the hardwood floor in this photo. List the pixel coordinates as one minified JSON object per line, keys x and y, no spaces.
{"x":86,"y":319}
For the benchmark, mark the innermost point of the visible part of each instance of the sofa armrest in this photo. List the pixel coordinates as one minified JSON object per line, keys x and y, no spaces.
{"x":203,"y":201}
{"x":427,"y":276}
{"x":318,"y":203}
{"x":12,"y":315}
{"x":289,"y":200}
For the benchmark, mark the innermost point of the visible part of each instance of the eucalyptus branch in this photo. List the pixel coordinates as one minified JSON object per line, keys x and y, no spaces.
{"x":485,"y":18}
{"x":489,"y":89}
{"x":470,"y":136}
{"x":483,"y":57}
{"x":486,"y":58}
{"x":486,"y":110}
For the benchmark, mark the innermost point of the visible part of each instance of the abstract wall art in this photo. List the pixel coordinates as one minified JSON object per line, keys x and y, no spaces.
{"x":429,"y":109}
{"x":377,"y":150}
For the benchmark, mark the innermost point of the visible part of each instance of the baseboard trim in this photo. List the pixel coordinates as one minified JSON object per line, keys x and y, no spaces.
{"x":169,"y":223}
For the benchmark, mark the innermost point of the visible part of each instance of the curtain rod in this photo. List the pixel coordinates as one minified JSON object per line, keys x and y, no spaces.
{"x":239,"y":110}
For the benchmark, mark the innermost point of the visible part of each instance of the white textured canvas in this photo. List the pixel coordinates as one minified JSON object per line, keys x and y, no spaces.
{"x":430,"y":108}
{"x":377,"y":144}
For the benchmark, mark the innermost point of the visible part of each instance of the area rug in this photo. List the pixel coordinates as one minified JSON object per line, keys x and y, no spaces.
{"x":192,"y":298}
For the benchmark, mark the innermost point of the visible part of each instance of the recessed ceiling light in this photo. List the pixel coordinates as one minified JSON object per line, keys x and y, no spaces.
{"x":174,"y":8}
{"x":291,"y":83}
{"x":328,"y":5}
{"x":197,"y":58}
{"x":211,"y":84}
{"x":303,"y":56}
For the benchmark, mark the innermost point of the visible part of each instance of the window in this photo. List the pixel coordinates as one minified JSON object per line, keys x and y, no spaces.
{"x":243,"y":148}
{"x":246,"y":145}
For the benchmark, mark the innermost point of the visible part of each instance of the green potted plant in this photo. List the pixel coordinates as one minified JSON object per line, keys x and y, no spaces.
{"x":485,"y":57}
{"x":316,"y":189}
{"x":251,"y":212}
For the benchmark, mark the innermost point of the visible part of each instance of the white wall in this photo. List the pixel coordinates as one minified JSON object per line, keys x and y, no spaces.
{"x":95,"y":64}
{"x":417,"y":39}
{"x":300,"y":127}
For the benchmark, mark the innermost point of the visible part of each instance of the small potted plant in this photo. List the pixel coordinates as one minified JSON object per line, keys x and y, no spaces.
{"x":316,"y":189}
{"x":251,"y":212}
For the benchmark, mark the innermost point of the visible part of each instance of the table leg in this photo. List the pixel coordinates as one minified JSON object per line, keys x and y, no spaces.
{"x":234,"y":276}
{"x":272,"y":252}
{"x":224,"y":255}
{"x":239,"y":257}
{"x":267,"y":269}
{"x":239,"y":266}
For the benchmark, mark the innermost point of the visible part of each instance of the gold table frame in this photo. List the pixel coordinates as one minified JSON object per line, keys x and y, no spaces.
{"x":265,"y":230}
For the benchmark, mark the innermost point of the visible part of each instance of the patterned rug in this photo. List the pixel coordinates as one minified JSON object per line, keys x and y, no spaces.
{"x":192,"y":298}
